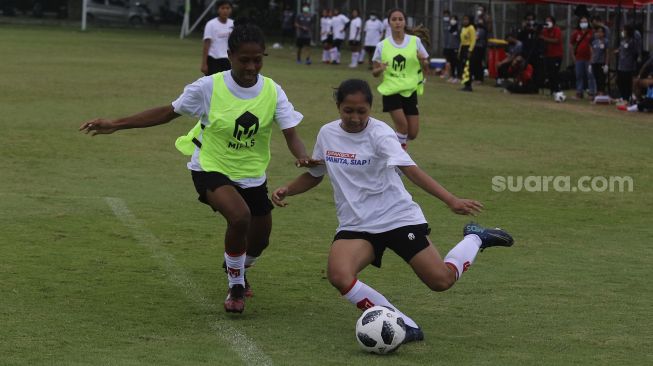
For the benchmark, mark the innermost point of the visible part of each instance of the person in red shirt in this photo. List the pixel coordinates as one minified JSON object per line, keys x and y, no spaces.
{"x":551,"y":35}
{"x":581,"y":41}
{"x":521,"y":74}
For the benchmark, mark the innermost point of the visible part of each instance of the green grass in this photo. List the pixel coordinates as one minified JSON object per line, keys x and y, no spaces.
{"x":79,"y":287}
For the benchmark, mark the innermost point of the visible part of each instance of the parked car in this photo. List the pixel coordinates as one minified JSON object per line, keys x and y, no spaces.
{"x":119,"y":11}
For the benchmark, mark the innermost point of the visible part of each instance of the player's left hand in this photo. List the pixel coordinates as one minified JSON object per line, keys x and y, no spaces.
{"x":279,"y":195}
{"x":308,"y":163}
{"x":98,"y":126}
{"x":463,"y":206}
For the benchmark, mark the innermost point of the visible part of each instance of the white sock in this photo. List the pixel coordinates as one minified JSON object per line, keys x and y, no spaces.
{"x":337,"y":55}
{"x":364,"y":297}
{"x":403,"y":138}
{"x":632,"y":108}
{"x":333,"y":52}
{"x":463,"y":254}
{"x":354,"y":58}
{"x":325,"y":55}
{"x":361,"y":56}
{"x":235,"y":268}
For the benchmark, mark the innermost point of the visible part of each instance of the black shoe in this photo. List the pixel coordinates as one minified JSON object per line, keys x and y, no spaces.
{"x":466,"y":89}
{"x":489,"y":237}
{"x":413,"y":335}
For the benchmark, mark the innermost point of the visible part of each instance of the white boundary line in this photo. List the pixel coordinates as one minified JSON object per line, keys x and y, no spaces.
{"x":248,"y":351}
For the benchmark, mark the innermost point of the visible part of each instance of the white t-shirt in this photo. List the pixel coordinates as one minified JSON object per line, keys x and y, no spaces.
{"x":338,"y":24}
{"x":325,"y":28}
{"x":355,"y":29}
{"x":368,"y":192}
{"x":420,"y":47}
{"x":195,"y":101}
{"x":387,"y":28}
{"x":373,"y":32}
{"x":218,"y":33}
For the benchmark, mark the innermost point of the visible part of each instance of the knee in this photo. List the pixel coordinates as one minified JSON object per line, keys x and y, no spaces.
{"x":441,"y":284}
{"x":239,"y":220}
{"x":412,"y":135}
{"x":339,"y":279}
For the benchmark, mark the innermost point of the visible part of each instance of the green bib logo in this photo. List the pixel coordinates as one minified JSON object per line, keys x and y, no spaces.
{"x":398,"y":63}
{"x":247,"y":124}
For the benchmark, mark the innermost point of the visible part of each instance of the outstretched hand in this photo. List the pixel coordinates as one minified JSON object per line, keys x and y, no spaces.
{"x":462,"y":206}
{"x":279,"y":195}
{"x":98,"y":126}
{"x":308,"y":163}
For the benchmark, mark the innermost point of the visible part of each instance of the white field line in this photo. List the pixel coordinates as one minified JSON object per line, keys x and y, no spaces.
{"x":250,"y":353}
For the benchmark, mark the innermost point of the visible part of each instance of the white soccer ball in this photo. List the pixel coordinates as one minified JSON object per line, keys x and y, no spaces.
{"x":559,"y":97}
{"x":380,"y":330}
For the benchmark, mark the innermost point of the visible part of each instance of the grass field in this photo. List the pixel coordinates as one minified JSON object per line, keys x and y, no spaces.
{"x":107,"y":258}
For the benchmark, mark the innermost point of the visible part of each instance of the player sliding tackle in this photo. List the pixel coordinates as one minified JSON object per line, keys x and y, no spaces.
{"x":376,"y":211}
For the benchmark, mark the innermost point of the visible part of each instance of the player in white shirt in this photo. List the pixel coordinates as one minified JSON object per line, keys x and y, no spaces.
{"x":355,"y":31}
{"x":376,"y":211}
{"x":235,"y":190}
{"x":216,"y":34}
{"x":373,"y":35}
{"x":326,"y":35}
{"x":338,"y":24}
{"x":387,"y":29}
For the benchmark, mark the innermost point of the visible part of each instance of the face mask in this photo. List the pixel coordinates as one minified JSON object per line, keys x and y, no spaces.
{"x":445,"y":19}
{"x":583,"y":25}
{"x":479,"y":12}
{"x":305,"y":9}
{"x":531,"y":23}
{"x":623,"y":34}
{"x":373,"y":17}
{"x":549,"y":24}
{"x":453,"y":22}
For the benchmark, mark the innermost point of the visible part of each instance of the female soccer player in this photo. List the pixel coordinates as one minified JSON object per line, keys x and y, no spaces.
{"x":216,"y":34}
{"x":231,"y":148}
{"x":400,"y":58}
{"x":374,"y":209}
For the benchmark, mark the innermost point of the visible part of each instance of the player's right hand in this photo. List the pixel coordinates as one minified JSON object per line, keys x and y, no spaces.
{"x":278,"y":196}
{"x":98,"y":126}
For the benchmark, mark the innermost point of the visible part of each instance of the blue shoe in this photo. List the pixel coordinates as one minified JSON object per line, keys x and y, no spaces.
{"x":413,"y":335}
{"x":489,"y":237}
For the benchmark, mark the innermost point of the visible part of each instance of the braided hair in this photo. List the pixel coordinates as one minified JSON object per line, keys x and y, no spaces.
{"x":245,"y":33}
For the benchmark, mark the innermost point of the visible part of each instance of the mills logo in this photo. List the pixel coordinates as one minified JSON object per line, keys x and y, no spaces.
{"x":398,"y":63}
{"x":247,"y":125}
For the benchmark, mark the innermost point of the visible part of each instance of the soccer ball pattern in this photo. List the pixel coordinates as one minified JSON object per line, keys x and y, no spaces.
{"x":380,"y":330}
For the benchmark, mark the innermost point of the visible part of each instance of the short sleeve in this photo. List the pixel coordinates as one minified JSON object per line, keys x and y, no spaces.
{"x":285,"y":114}
{"x":195,"y":99}
{"x":318,"y":154}
{"x":389,"y":148}
{"x":377,"y":52}
{"x":420,"y":48}
{"x":208,"y":30}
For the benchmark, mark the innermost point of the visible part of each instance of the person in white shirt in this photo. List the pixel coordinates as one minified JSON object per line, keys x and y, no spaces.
{"x":326,"y":35}
{"x":228,"y":168}
{"x":374,"y":209}
{"x":216,"y":34}
{"x":373,"y":33}
{"x":387,"y":29}
{"x":355,"y":31}
{"x":338,"y":25}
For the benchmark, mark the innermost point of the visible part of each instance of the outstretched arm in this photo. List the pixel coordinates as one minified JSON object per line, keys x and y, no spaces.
{"x":299,"y":185}
{"x":460,"y":206}
{"x":151,"y":117}
{"x":297,"y":148}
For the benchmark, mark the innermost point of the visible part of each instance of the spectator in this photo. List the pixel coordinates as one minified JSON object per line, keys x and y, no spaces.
{"x":467,"y":43}
{"x":338,"y":24}
{"x":626,"y":63}
{"x":520,"y":75}
{"x":355,"y":30}
{"x":551,"y":35}
{"x":515,"y":49}
{"x":454,"y":62}
{"x":482,"y":17}
{"x":532,"y":46}
{"x":326,"y":35}
{"x":581,"y":40}
{"x":387,"y":30}
{"x":287,"y":24}
{"x":479,"y":52}
{"x":216,"y":34}
{"x":373,"y":35}
{"x":304,"y":26}
{"x":644,"y":79}
{"x":599,"y":59}
{"x":447,"y":50}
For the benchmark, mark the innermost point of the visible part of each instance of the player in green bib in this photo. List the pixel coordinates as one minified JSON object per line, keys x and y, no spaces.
{"x":230,"y":148}
{"x":401,"y":59}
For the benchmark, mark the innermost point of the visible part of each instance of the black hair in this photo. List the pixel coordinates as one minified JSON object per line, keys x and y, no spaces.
{"x":553,"y":20}
{"x":352,"y":86}
{"x":223,"y":2}
{"x":399,"y":10}
{"x":245,"y":33}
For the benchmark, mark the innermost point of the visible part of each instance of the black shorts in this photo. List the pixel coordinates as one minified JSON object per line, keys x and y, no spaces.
{"x":256,"y":197}
{"x":396,"y":101}
{"x":354,"y":43}
{"x":370,"y":50}
{"x":328,"y":40}
{"x":216,"y":65}
{"x":406,"y":241}
{"x":338,"y":42}
{"x":303,"y":42}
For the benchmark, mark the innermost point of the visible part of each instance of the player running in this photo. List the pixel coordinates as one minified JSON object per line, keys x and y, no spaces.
{"x":374,"y":209}
{"x":230,"y":148}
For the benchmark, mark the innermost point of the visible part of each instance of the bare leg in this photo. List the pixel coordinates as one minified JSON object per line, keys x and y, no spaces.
{"x":346,"y":259}
{"x":432,"y":270}
{"x":400,"y":121}
{"x":230,"y":204}
{"x":412,"y":126}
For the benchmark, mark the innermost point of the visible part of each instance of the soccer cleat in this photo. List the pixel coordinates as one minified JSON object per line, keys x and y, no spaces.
{"x":489,"y":237}
{"x":413,"y":335}
{"x":248,"y":288}
{"x":235,"y":301}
